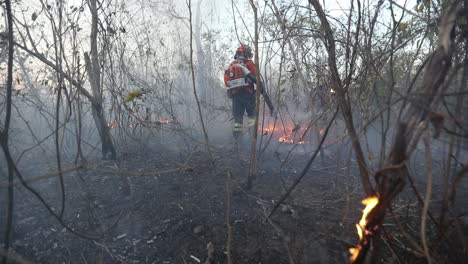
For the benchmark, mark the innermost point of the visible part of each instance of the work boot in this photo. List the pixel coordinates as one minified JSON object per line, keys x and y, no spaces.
{"x":251,"y":127}
{"x":237,"y":132}
{"x":251,"y":132}
{"x":237,"y":135}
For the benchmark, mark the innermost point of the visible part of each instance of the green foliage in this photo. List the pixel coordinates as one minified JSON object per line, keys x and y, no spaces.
{"x":133,"y":95}
{"x":423,"y":4}
{"x":402,"y":26}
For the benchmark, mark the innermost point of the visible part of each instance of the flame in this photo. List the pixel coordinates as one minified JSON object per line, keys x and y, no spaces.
{"x":354,"y":253}
{"x":370,"y":203}
{"x":267,"y":130}
{"x":285,"y":139}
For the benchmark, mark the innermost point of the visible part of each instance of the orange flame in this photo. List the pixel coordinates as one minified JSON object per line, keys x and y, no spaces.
{"x":370,"y":203}
{"x":285,"y":139}
{"x":289,"y":140}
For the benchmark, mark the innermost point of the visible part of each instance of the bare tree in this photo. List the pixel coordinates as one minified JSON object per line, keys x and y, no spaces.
{"x":93,"y":68}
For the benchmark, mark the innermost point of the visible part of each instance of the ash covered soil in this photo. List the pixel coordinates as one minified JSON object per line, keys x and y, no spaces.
{"x":165,"y":206}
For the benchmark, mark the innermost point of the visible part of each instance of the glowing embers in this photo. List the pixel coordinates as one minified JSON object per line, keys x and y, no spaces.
{"x":266,"y":130}
{"x":166,"y":121}
{"x":370,"y":203}
{"x":113,"y":124}
{"x":286,"y":139}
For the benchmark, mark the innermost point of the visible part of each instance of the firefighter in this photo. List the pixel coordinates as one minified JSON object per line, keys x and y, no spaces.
{"x":239,"y":78}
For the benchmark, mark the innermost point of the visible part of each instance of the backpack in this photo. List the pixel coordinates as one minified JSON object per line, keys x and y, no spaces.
{"x":235,"y":75}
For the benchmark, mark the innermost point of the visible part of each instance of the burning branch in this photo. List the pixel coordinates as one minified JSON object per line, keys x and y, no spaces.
{"x":362,"y":228}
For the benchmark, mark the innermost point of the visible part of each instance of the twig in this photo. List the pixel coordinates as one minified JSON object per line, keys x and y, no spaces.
{"x":281,"y":233}
{"x":195,"y":258}
{"x":113,"y":256}
{"x":234,"y":20}
{"x":389,"y":244}
{"x":409,"y":11}
{"x":113,"y":172}
{"x":251,"y":196}
{"x":456,"y":182}
{"x":45,"y":176}
{"x":210,"y":251}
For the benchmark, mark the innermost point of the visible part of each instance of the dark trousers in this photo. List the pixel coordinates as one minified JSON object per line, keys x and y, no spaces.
{"x":243,"y":102}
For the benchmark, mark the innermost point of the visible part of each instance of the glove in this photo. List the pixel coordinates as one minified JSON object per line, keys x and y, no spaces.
{"x":251,"y":78}
{"x":229,"y":93}
{"x":274,"y":114}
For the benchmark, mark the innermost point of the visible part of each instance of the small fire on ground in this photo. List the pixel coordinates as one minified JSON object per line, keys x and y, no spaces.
{"x":370,"y":203}
{"x":287,"y":134}
{"x":166,"y":121}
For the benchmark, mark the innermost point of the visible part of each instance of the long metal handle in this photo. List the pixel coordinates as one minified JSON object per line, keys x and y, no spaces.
{"x":268,"y":102}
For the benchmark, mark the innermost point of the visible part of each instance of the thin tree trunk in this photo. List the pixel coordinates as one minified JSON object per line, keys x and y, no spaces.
{"x":4,"y":133}
{"x":78,"y":118}
{"x":448,"y":168}
{"x":94,"y":75}
{"x":253,"y":150}
{"x":57,"y":32}
{"x":205,"y":133}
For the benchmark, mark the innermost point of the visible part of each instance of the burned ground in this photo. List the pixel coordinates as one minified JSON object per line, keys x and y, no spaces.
{"x":164,"y":206}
